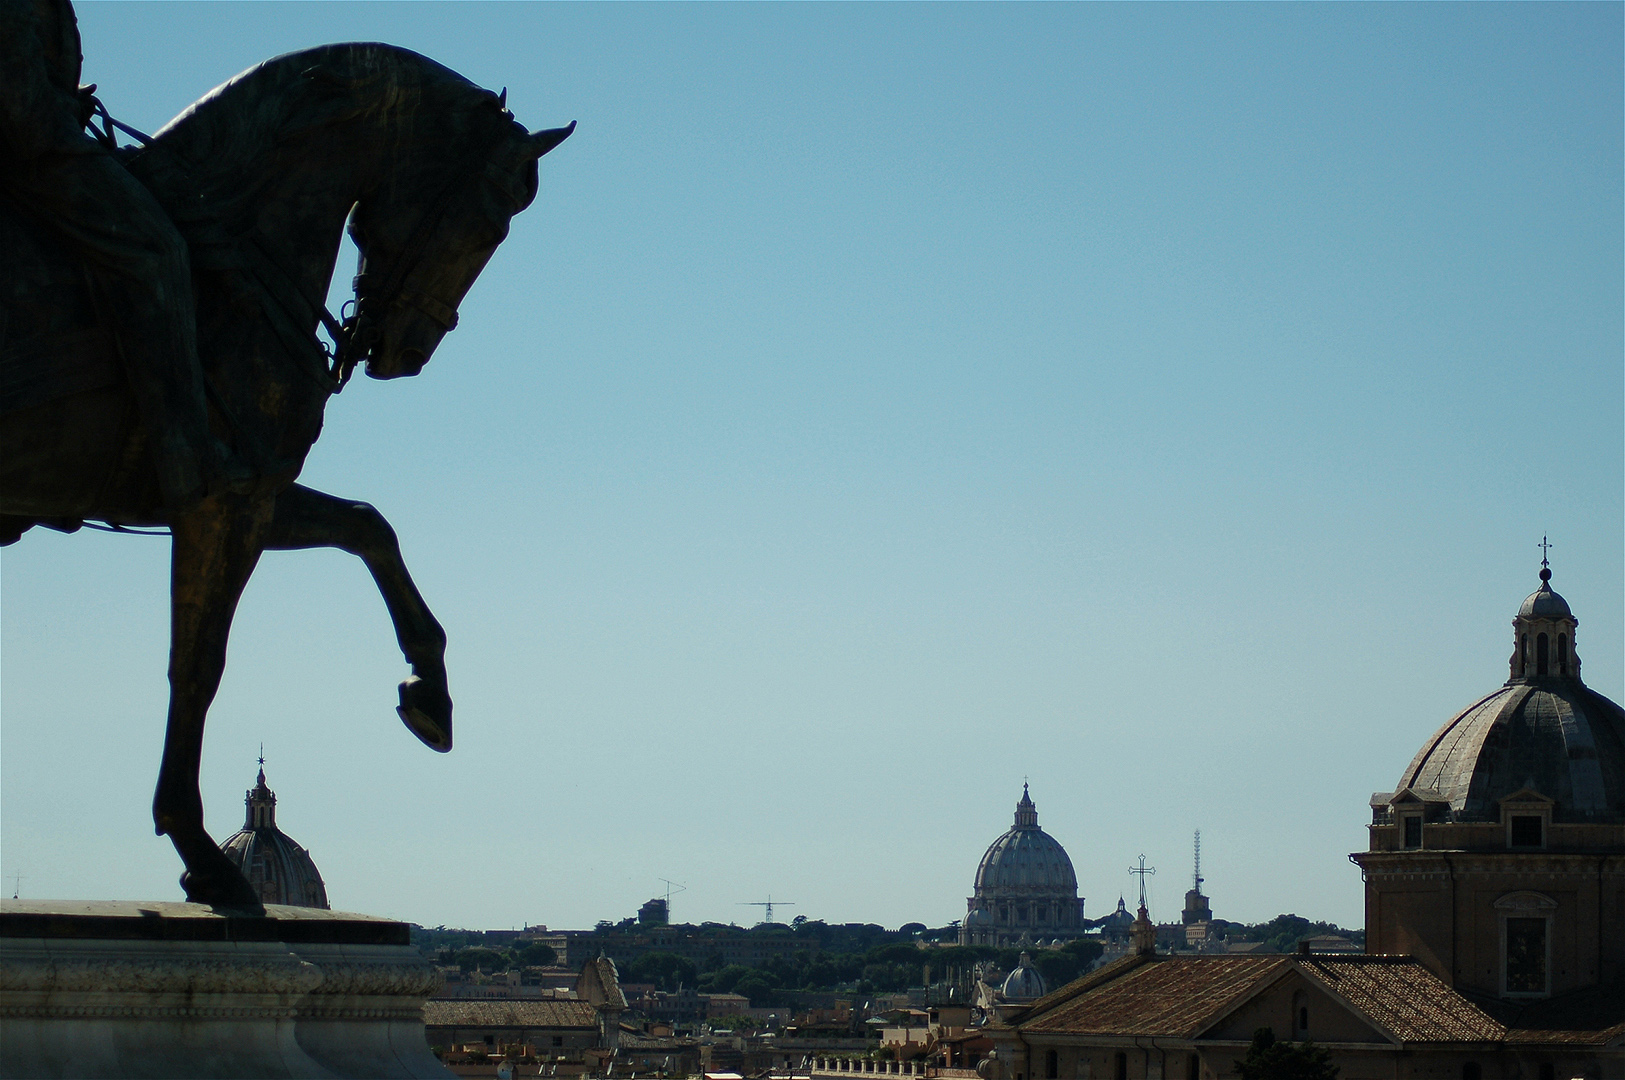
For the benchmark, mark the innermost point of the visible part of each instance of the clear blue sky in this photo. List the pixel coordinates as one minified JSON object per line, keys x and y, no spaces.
{"x":881,"y":404}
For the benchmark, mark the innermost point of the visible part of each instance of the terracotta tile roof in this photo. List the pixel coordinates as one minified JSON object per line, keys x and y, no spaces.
{"x":1169,"y":996}
{"x":1403,"y":997}
{"x":609,"y":978}
{"x":1183,"y":996}
{"x":510,"y":1014}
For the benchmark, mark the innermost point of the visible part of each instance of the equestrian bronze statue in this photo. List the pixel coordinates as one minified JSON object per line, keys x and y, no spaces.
{"x":259,"y":178}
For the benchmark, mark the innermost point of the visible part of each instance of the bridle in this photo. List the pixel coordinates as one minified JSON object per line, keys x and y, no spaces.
{"x":356,"y":333}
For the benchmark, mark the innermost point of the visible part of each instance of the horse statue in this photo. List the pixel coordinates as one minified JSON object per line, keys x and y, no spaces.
{"x":260,"y":177}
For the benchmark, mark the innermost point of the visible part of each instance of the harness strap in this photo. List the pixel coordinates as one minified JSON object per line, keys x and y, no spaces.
{"x":442,"y":313}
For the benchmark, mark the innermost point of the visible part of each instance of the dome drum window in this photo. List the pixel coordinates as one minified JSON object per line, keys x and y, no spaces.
{"x":1527,"y":815}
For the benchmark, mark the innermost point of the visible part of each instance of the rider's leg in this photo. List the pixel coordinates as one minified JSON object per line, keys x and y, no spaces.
{"x":143,"y":274}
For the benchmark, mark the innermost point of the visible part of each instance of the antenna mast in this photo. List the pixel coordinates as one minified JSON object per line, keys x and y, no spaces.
{"x":767,"y":915}
{"x":1198,"y":860}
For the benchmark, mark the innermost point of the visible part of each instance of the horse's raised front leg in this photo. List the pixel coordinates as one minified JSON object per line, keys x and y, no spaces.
{"x":306,"y":519}
{"x":216,"y":546}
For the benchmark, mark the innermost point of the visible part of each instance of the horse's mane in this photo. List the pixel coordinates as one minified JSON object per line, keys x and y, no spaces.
{"x":225,"y":137}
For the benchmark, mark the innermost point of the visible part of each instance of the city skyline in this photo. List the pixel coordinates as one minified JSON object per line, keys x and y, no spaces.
{"x":880,"y":405}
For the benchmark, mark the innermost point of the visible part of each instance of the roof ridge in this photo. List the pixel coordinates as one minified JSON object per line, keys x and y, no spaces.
{"x":1269,"y":970}
{"x":1106,"y":973}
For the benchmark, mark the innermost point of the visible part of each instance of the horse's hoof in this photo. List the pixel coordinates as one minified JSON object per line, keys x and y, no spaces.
{"x":222,"y":891}
{"x":425,"y":709}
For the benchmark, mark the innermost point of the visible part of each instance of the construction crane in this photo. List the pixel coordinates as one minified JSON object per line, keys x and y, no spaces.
{"x":767,"y":915}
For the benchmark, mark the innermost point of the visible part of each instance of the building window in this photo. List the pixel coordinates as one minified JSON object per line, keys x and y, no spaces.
{"x":1471,"y":1071}
{"x":1523,"y":654}
{"x":1526,"y":956}
{"x":1562,"y":654}
{"x":1548,"y":1071}
{"x":1540,"y":654}
{"x":1303,"y":1020}
{"x":1052,"y":1064}
{"x":1526,"y":831}
{"x":1121,"y":1072}
{"x":1413,"y":830}
{"x":1193,"y":1067}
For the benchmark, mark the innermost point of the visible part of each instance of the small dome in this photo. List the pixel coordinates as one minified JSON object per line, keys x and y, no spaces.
{"x":1119,"y":919}
{"x":280,"y":870}
{"x":978,"y":917}
{"x":1025,"y":983}
{"x":1543,"y":603}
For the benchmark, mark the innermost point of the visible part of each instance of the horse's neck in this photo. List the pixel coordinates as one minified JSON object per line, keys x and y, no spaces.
{"x":298,"y":219}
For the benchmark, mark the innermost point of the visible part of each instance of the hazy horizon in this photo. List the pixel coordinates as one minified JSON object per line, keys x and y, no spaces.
{"x":881,"y":405}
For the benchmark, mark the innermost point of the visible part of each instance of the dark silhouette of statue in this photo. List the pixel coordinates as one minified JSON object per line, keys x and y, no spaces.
{"x":136,"y":258}
{"x":159,"y":358}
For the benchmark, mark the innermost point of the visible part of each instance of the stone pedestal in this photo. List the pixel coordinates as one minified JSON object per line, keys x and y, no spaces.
{"x":130,"y":989}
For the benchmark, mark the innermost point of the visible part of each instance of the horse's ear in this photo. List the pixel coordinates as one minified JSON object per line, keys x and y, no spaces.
{"x":502,"y":99}
{"x":542,"y":141}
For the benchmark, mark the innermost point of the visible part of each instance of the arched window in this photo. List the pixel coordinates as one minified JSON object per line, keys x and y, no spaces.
{"x":1523,"y":655}
{"x":1540,"y":654}
{"x":1563,"y":654}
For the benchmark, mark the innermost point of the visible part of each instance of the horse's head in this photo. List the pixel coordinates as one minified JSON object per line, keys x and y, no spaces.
{"x":426,"y":231}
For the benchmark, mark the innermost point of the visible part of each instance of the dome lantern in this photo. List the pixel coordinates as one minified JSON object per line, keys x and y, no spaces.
{"x":1543,"y":635}
{"x":1026,"y":811}
{"x":261,"y":803}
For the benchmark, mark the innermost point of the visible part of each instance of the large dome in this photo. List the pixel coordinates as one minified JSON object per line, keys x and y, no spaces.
{"x":1565,"y":741}
{"x":1025,"y":890}
{"x":1026,"y":857}
{"x":1544,"y":730}
{"x":280,"y":870}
